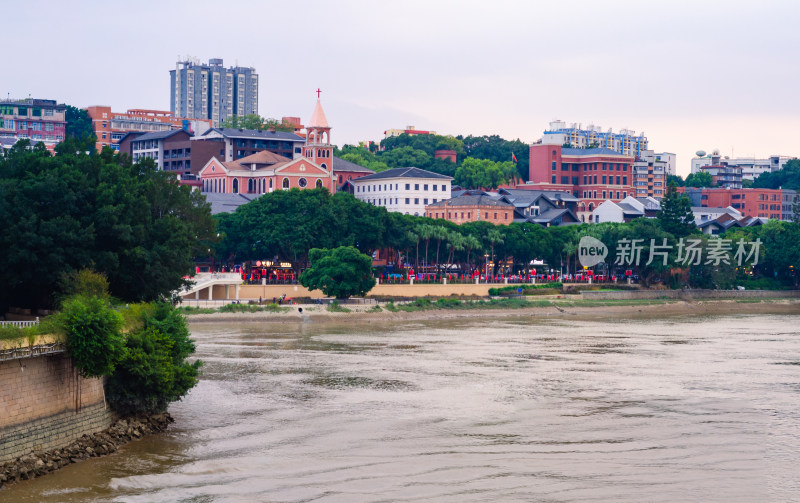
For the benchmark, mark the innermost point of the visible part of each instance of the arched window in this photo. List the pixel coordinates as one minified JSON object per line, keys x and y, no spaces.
{"x":224,"y":184}
{"x":215,"y":184}
{"x":319,"y":183}
{"x":235,"y":185}
{"x":270,"y":183}
{"x":285,"y":183}
{"x":324,"y":166}
{"x":250,"y":186}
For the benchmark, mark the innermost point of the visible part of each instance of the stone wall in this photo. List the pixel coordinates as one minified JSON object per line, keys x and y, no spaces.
{"x":45,"y":405}
{"x":690,"y":294}
{"x":267,"y":292}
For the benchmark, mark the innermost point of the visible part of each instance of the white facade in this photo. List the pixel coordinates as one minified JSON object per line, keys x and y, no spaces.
{"x":704,"y":214}
{"x":670,"y":162}
{"x":752,"y":168}
{"x":609,"y":211}
{"x":402,"y":194}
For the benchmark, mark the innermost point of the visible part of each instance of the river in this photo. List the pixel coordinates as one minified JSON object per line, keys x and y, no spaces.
{"x":517,"y":409}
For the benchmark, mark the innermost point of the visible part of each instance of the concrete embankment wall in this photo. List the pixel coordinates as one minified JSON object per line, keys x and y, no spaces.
{"x":690,"y":294}
{"x":45,"y":405}
{"x":267,"y":292}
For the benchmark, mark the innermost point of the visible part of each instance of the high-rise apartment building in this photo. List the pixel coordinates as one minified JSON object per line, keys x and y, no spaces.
{"x":575,"y":136}
{"x":751,"y":167}
{"x":211,"y":91}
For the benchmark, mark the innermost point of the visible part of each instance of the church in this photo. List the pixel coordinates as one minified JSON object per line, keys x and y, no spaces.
{"x":265,"y":171}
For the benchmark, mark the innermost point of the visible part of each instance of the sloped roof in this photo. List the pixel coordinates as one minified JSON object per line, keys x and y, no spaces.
{"x":227,"y":203}
{"x":472,"y":200}
{"x":160,"y":135}
{"x":342,"y":165}
{"x":318,"y":118}
{"x":552,"y":214}
{"x":404,"y":173}
{"x":263,"y":157}
{"x":628,"y":209}
{"x":522,"y":198}
{"x":254,"y":133}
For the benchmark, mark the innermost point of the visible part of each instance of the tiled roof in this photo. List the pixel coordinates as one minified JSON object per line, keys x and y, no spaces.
{"x":227,"y":203}
{"x":253,"y":133}
{"x":263,"y":157}
{"x":404,"y":173}
{"x":160,"y":135}
{"x":342,"y":165}
{"x":550,"y":215}
{"x":627,"y":208}
{"x":472,"y":200}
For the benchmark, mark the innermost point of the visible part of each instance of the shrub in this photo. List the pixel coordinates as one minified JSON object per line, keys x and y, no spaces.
{"x":92,"y":329}
{"x":152,"y":370}
{"x":334,"y":307}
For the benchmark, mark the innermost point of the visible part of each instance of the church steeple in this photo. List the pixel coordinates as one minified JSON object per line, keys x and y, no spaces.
{"x":318,"y":142}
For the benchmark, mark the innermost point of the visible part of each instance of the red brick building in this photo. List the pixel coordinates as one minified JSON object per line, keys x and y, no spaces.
{"x":472,"y":208}
{"x":594,"y":174}
{"x":759,"y":203}
{"x":110,"y":127}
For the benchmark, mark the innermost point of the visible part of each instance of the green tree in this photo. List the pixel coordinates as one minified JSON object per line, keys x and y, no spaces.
{"x":79,"y":124}
{"x":73,"y":211}
{"x":92,"y":330}
{"x":676,"y":179}
{"x":787,"y":177}
{"x":494,"y":237}
{"x":699,"y":179}
{"x":483,"y":173}
{"x":153,"y":370}
{"x":676,"y":215}
{"x":255,"y":121}
{"x":341,"y":272}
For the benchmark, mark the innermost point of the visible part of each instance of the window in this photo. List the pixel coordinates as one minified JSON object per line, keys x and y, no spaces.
{"x":235,"y":185}
{"x":318,"y":184}
{"x":416,"y":200}
{"x":408,"y":186}
{"x":624,"y":180}
{"x":604,"y":179}
{"x":554,"y":166}
{"x":554,"y":179}
{"x":36,"y":126}
{"x":416,"y":186}
{"x":604,"y":166}
{"x":22,"y":125}
{"x":23,"y":111}
{"x":425,"y":201}
{"x":285,"y":183}
{"x":425,"y":187}
{"x":495,"y":215}
{"x":48,"y":112}
{"x":302,"y":182}
{"x":408,"y":201}
{"x":435,"y":187}
{"x":617,"y":179}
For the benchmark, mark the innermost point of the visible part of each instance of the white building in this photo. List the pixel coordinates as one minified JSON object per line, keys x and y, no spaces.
{"x":625,"y":142}
{"x":752,"y":168}
{"x":703,"y":214}
{"x":670,"y":162}
{"x":405,"y":190}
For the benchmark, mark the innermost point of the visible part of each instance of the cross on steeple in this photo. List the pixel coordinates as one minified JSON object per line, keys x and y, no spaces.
{"x":318,"y":92}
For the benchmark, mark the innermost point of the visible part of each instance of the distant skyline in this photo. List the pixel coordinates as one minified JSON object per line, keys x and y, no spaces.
{"x":691,"y":74}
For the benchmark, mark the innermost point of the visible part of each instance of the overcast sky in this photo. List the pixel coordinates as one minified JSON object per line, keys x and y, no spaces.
{"x":690,"y":74}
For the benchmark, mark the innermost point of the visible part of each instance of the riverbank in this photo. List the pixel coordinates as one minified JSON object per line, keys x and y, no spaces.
{"x":36,"y":464}
{"x":546,"y":308}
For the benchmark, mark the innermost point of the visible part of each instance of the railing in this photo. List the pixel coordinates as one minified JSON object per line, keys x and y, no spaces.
{"x":27,"y":323}
{"x":29,"y":351}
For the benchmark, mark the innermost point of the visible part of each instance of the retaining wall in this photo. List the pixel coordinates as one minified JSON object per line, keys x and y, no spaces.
{"x":267,"y":292}
{"x":690,"y":294}
{"x":45,"y":405}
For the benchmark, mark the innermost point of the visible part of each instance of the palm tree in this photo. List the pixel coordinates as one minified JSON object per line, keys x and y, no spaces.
{"x":570,"y":248}
{"x":425,"y":232}
{"x":438,"y":233}
{"x":455,"y":242}
{"x":494,"y":237}
{"x":414,"y":238}
{"x":471,"y":243}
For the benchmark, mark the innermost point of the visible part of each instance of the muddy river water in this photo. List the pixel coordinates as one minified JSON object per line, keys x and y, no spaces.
{"x":516,"y":409}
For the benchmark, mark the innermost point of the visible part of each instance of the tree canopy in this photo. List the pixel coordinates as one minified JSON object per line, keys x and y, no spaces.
{"x":699,"y":180}
{"x":341,"y":272}
{"x":483,"y":173}
{"x":79,"y":124}
{"x":75,"y":210}
{"x":788,"y":177}
{"x":676,"y":215}
{"x":255,"y":121}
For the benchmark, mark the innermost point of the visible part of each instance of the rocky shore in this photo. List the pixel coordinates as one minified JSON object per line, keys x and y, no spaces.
{"x":36,"y":464}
